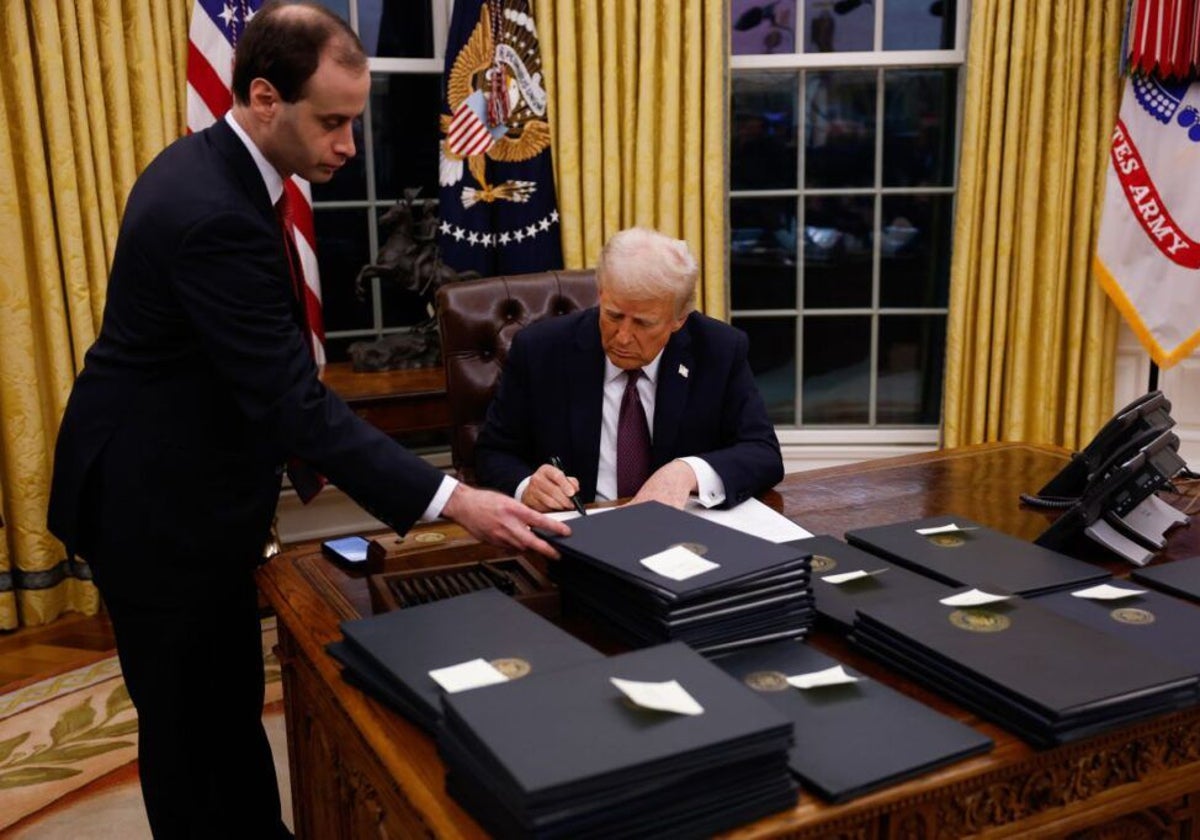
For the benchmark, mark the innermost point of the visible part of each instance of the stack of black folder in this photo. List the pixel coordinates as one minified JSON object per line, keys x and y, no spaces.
{"x":565,"y":754}
{"x":1046,"y":677}
{"x":390,"y":655}
{"x":852,"y":738}
{"x":758,"y":592}
{"x":1162,"y":625}
{"x":836,"y":603}
{"x":1180,"y":577}
{"x":976,"y":556}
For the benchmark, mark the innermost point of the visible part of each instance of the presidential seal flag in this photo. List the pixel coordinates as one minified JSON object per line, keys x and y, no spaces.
{"x":497,"y":206}
{"x":1148,"y":260}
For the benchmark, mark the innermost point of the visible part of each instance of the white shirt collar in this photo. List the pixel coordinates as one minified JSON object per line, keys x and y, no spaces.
{"x":270,"y":175}
{"x":611,"y":371}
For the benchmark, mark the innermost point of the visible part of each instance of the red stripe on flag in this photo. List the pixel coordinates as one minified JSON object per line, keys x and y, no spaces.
{"x":302,"y":215}
{"x":206,"y":82}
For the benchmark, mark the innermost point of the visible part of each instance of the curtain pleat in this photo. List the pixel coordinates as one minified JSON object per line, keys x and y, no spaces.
{"x":90,"y":91}
{"x":1031,"y":338}
{"x":638,"y":98}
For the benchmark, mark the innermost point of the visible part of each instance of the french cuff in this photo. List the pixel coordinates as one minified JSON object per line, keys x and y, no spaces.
{"x":711,"y":490}
{"x":449,"y":483}
{"x":520,"y":494}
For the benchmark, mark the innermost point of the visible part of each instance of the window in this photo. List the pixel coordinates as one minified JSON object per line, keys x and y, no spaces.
{"x":843,"y":151}
{"x":397,"y":149}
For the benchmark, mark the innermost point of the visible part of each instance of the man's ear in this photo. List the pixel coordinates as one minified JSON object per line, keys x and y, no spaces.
{"x":264,"y":99}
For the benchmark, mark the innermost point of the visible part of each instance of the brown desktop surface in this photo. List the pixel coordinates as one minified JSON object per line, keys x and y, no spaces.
{"x":360,"y":770}
{"x":395,"y":401}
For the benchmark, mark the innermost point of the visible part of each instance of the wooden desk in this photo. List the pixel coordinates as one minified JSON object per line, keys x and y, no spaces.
{"x":395,"y":401}
{"x":360,"y":771}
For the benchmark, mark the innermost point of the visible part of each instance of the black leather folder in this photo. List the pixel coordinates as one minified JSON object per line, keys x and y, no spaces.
{"x":1180,"y":577}
{"x":976,"y":557}
{"x":855,"y":738}
{"x":836,"y":603}
{"x":405,"y":645}
{"x":560,"y":737}
{"x":1059,"y":677}
{"x":617,"y":541}
{"x":1160,"y":624}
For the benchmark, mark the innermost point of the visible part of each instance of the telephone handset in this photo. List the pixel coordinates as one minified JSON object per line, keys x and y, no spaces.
{"x":1129,"y":430}
{"x":1118,"y":507}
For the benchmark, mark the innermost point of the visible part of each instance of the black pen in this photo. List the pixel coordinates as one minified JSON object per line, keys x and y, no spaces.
{"x":556,"y":462}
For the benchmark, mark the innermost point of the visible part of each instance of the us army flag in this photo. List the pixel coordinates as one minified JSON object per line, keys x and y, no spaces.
{"x":1147,"y":260}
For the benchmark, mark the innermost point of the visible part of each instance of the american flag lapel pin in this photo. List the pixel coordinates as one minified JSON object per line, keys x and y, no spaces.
{"x":683,"y":371}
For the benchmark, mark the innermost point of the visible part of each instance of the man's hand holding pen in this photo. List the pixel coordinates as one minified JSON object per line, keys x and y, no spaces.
{"x":552,"y":489}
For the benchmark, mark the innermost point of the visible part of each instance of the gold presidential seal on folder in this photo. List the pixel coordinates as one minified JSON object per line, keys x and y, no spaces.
{"x":1132,"y":615}
{"x":512,"y":667}
{"x":766,"y":681}
{"x":821,"y":564}
{"x":980,"y":620}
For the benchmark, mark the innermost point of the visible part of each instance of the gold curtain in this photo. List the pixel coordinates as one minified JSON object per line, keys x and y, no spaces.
{"x":638,"y":96}
{"x":90,"y":91}
{"x":1031,"y":336}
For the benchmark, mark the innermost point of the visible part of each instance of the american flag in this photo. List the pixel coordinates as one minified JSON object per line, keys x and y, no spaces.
{"x":215,"y":28}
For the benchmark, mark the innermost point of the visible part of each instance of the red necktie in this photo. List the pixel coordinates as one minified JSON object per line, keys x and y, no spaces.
{"x":306,"y":481}
{"x":633,"y":439}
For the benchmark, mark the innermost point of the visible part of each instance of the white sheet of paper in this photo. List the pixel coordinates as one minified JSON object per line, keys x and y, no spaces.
{"x":1107,"y":592}
{"x":846,"y":577}
{"x":661,"y":696}
{"x":752,"y":517}
{"x":678,"y":563}
{"x":830,"y":676}
{"x":475,"y":673}
{"x":973,"y":598}
{"x":945,"y":529}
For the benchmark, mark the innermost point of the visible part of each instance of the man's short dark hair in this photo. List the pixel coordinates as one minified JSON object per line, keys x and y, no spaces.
{"x":283,"y":44}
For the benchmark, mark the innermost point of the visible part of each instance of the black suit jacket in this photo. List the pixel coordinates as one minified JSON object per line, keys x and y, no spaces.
{"x":549,"y":402}
{"x":200,"y":383}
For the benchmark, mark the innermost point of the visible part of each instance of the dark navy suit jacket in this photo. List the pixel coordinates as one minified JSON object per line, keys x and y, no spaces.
{"x":200,"y":383}
{"x":549,"y":402}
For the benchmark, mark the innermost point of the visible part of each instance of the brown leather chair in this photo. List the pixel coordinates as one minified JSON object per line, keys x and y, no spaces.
{"x":477,"y":320}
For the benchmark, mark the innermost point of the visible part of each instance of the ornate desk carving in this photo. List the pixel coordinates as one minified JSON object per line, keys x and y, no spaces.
{"x":359,"y":770}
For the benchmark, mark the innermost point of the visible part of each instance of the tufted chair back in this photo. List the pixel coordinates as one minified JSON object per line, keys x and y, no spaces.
{"x":477,"y":320}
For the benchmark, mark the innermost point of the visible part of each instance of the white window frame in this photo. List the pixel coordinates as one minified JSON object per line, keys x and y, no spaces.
{"x":879,"y":60}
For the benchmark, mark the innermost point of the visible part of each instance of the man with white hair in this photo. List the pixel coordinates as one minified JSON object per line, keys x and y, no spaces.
{"x":640,"y":396}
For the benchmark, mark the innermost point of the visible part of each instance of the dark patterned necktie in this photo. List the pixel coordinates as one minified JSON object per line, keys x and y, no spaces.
{"x":633,"y":439}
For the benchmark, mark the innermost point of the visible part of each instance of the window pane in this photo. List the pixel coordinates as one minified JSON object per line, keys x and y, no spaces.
{"x":763,"y":153}
{"x":762,"y":26}
{"x":404,"y":123}
{"x":914,"y":262}
{"x":911,"y":354}
{"x":762,"y":253}
{"x":350,"y":182}
{"x":342,"y":250}
{"x":396,"y":28}
{"x":837,"y":251}
{"x":773,"y":360}
{"x":839,"y":129}
{"x":837,"y":369}
{"x":918,"y":140}
{"x":844,"y":26}
{"x":918,"y":24}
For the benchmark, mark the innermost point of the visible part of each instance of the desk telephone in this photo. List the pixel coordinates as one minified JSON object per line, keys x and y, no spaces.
{"x":1108,"y":492}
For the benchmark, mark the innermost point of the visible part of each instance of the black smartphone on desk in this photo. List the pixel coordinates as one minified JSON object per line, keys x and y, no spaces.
{"x":348,"y":552}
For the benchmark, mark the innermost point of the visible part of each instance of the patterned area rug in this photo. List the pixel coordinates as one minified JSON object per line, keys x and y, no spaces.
{"x":76,"y":733}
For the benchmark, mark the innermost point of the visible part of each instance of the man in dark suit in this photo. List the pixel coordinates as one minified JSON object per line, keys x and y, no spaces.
{"x":198,"y":389}
{"x":571,"y":385}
